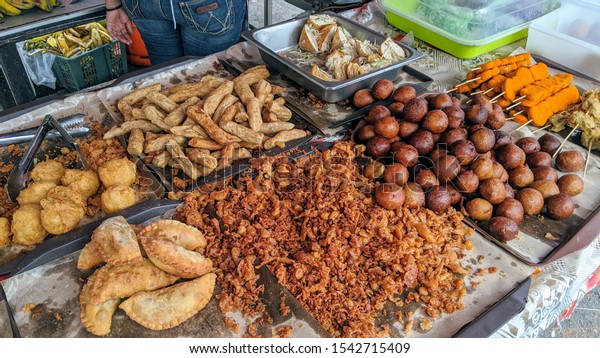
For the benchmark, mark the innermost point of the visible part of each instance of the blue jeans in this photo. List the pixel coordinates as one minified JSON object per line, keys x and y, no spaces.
{"x":202,"y":27}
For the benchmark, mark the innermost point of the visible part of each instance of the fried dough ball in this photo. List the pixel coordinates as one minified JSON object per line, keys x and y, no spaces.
{"x":49,"y":170}
{"x":570,"y":184}
{"x":510,"y":208}
{"x":5,"y":232}
{"x":35,"y":192}
{"x":117,"y":172}
{"x":570,"y":161}
{"x":26,"y":226}
{"x":363,"y":98}
{"x":59,"y":218}
{"x":414,"y":197}
{"x":531,"y":200}
{"x":503,"y":228}
{"x":479,"y":209}
{"x":117,"y":198}
{"x":560,"y":206}
{"x":438,"y":199}
{"x":85,"y":182}
{"x":382,"y":89}
{"x":63,"y":196}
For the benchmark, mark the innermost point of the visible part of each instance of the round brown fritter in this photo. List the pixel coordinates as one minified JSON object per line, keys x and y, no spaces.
{"x":438,"y":199}
{"x":435,"y":121}
{"x":549,"y":143}
{"x":423,"y":141}
{"x":440,"y":101}
{"x":446,"y":168}
{"x":503,"y":228}
{"x":404,"y":94}
{"x":395,"y":173}
{"x":456,"y":116}
{"x":387,"y":127}
{"x":362,"y":98}
{"x":483,"y":139}
{"x":453,"y":135}
{"x":377,"y":112}
{"x":378,"y":146}
{"x":406,"y":129}
{"x":414,"y":197}
{"x":502,"y":138}
{"x":414,"y":110}
{"x":560,"y":206}
{"x":493,"y":190}
{"x":365,"y":133}
{"x":520,"y":177}
{"x":405,"y":154}
{"x":570,"y":161}
{"x":426,"y":179}
{"x":545,"y":173}
{"x":531,"y":200}
{"x":476,"y":114}
{"x":389,"y":196}
{"x":479,"y":209}
{"x":570,"y":184}
{"x":467,"y":182}
{"x":529,"y":145}
{"x":539,"y":159}
{"x":547,"y":188}
{"x":510,"y":156}
{"x":382,"y":89}
{"x":483,"y":168}
{"x":510,"y":208}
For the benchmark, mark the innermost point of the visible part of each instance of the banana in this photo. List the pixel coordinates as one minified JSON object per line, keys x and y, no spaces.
{"x":75,"y":40}
{"x":97,"y":38}
{"x":54,"y":3}
{"x":8,"y":9}
{"x":21,"y":4}
{"x":51,"y":41}
{"x":43,"y":4}
{"x":62,"y":44}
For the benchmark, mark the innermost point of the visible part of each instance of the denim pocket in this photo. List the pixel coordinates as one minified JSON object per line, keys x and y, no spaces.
{"x":209,"y":16}
{"x":133,"y":8}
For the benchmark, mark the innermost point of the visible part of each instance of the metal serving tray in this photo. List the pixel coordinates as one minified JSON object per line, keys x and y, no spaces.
{"x":148,"y":186}
{"x":184,"y":70}
{"x":284,"y":36}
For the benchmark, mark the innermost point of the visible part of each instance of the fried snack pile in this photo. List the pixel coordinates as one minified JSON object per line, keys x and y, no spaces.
{"x":205,"y":126}
{"x":346,"y":56}
{"x":315,"y":225}
{"x":148,"y":285}
{"x":584,"y":116}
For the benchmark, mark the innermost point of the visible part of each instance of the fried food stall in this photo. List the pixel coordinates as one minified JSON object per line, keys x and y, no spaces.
{"x":313,"y":224}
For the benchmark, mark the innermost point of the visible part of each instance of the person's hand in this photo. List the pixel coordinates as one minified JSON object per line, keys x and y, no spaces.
{"x":119,"y":26}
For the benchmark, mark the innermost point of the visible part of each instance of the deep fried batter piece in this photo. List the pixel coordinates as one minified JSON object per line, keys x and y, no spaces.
{"x":116,"y":242}
{"x":175,"y":259}
{"x":96,"y":318}
{"x":169,"y":307}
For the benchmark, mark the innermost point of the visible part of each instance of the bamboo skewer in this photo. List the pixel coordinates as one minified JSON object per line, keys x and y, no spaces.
{"x":522,"y":125}
{"x":467,"y":81}
{"x":512,"y":106}
{"x":482,"y":91}
{"x":495,"y":98}
{"x":539,"y":129}
{"x":514,"y":115}
{"x":587,"y":159}
{"x":519,"y":99}
{"x":565,"y":141}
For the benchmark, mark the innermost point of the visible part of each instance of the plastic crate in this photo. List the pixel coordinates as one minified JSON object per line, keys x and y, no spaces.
{"x":101,"y":64}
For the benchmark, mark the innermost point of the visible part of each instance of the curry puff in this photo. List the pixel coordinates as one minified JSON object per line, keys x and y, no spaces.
{"x":85,"y":182}
{"x":49,"y":170}
{"x":96,"y":318}
{"x":183,"y":235}
{"x":89,"y":257}
{"x":116,"y":242}
{"x":117,"y":172}
{"x":26,"y":226}
{"x":125,"y":280}
{"x":175,"y":259}
{"x":169,"y":307}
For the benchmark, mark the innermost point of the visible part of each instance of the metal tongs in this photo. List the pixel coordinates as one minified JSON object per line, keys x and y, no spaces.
{"x":73,"y":124}
{"x":17,"y":179}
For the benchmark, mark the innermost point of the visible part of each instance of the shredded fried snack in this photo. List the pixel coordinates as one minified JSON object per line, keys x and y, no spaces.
{"x":315,"y":225}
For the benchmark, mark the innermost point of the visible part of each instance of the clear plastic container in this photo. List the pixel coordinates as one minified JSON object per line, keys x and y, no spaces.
{"x":581,"y":19}
{"x":466,"y":28}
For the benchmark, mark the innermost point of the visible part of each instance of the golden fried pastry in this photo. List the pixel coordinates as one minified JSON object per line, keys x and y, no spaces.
{"x":89,"y":257}
{"x":60,"y":218}
{"x":85,"y":182}
{"x":175,"y":259}
{"x":35,"y":192}
{"x":26,"y":227}
{"x":61,"y":196}
{"x":117,"y":172}
{"x":62,"y":210}
{"x":117,"y":198}
{"x":171,"y":306}
{"x":183,"y":235}
{"x":125,"y":280}
{"x":4,"y":232}
{"x":96,"y":318}
{"x":116,"y":242}
{"x":49,"y":170}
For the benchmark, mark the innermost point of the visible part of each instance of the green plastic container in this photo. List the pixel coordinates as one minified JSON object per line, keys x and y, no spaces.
{"x":466,"y":28}
{"x":101,"y":64}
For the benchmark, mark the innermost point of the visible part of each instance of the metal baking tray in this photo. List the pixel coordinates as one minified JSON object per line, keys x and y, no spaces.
{"x":52,"y":281}
{"x":187,"y":69}
{"x":573,"y":233}
{"x":148,"y":186}
{"x":284,"y":36}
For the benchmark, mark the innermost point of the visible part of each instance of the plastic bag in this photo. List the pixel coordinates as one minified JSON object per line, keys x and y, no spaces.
{"x":38,"y":66}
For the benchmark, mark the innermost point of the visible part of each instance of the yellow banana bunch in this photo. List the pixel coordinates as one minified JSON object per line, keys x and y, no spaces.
{"x":44,"y":5}
{"x":9,"y":9}
{"x":70,"y":42}
{"x":21,"y":4}
{"x":54,"y":3}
